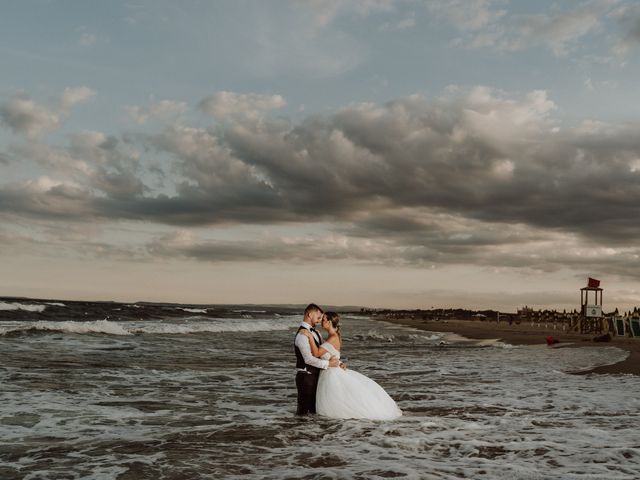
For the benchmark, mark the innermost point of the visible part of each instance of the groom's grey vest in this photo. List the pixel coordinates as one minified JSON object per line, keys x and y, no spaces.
{"x":300,"y":359}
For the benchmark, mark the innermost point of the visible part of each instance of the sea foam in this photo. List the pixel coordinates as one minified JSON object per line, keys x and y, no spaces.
{"x":213,"y":327}
{"x":151,"y":327}
{"x":97,"y":326}
{"x":22,"y":306}
{"x":222,"y":406}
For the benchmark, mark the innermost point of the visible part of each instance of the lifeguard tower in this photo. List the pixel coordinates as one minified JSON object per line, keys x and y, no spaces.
{"x":591,"y":319}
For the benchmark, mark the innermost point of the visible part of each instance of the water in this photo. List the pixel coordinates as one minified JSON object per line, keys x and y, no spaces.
{"x":110,"y":391}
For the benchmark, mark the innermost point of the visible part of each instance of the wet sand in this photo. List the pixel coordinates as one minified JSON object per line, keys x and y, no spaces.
{"x":526,"y":334}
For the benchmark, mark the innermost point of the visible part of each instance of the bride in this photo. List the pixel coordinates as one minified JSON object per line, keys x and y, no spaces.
{"x":346,"y":393}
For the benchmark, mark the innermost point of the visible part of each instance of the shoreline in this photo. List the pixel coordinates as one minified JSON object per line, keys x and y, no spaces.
{"x":529,"y":335}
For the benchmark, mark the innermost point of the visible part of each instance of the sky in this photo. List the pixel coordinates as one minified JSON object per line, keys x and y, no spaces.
{"x":403,"y":154}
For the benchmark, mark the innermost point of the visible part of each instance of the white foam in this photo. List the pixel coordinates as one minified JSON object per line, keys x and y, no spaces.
{"x":194,"y":310}
{"x":22,"y":306}
{"x":56,"y":304}
{"x":482,"y":413}
{"x":152,"y":327}
{"x":374,"y":335}
{"x":213,"y":327}
{"x":420,"y":337}
{"x":97,"y":326}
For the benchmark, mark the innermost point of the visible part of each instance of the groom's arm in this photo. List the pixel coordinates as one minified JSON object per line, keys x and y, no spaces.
{"x":302,"y":343}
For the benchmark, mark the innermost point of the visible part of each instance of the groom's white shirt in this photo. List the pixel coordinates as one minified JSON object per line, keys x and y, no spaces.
{"x":302,"y":342}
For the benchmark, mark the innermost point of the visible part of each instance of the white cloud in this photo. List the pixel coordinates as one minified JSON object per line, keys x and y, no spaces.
{"x":87,"y":39}
{"x":558,"y":32}
{"x":325,"y":11}
{"x":502,"y":121}
{"x":229,"y":104}
{"x":588,"y":84}
{"x":483,"y":24}
{"x":405,"y":23}
{"x":73,"y":96}
{"x":503,"y":169}
{"x":468,"y":15}
{"x":44,"y":184}
{"x":599,"y":85}
{"x":162,"y":110}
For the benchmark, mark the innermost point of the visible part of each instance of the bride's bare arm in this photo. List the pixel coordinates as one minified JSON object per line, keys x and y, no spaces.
{"x":315,"y":350}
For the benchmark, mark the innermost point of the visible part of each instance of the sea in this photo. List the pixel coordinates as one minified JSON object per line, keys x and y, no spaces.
{"x":105,"y":390}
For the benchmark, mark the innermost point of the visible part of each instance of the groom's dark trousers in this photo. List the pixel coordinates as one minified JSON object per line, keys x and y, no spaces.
{"x":307,"y":384}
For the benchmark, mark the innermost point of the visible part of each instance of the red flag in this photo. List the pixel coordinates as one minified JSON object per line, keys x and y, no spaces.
{"x":593,"y":283}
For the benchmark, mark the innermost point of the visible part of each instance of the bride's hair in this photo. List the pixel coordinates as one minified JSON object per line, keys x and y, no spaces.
{"x":334,"y":318}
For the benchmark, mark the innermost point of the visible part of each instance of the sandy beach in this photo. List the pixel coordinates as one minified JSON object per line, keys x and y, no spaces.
{"x":526,"y":334}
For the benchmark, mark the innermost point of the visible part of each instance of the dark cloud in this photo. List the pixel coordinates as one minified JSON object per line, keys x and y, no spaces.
{"x":486,"y":158}
{"x":628,"y":37}
{"x":44,"y":198}
{"x":473,"y":177}
{"x":66,"y":241}
{"x":183,"y":245}
{"x":23,"y":115}
{"x":443,"y":242}
{"x":634,"y":30}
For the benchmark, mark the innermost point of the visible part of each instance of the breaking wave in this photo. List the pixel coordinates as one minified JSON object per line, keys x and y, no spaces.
{"x":130,"y":328}
{"x":29,"y":307}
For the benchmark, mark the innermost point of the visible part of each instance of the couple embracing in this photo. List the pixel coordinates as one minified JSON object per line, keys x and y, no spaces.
{"x":324,"y":384}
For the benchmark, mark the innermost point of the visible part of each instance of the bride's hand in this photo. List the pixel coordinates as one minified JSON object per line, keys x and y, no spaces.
{"x":334,"y":362}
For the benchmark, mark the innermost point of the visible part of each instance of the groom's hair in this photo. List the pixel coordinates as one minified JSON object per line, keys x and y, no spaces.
{"x":312,"y":307}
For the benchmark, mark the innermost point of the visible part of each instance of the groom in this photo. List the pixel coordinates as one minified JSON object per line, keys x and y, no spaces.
{"x":308,"y":367}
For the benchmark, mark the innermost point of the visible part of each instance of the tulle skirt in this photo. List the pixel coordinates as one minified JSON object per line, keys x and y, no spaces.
{"x":349,"y":394}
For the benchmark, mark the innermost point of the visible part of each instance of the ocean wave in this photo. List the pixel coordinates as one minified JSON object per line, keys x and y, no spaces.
{"x":97,"y":326}
{"x":459,"y":341}
{"x":127,"y":328}
{"x":387,"y":337}
{"x":29,"y":307}
{"x":419,"y":338}
{"x":374,"y":335}
{"x":211,"y":327}
{"x":194,"y":310}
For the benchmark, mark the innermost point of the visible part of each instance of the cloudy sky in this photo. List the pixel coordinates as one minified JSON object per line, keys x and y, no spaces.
{"x":409,"y":153}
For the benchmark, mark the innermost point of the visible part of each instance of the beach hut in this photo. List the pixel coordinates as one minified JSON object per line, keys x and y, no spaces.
{"x":619,"y":325}
{"x":634,"y":323}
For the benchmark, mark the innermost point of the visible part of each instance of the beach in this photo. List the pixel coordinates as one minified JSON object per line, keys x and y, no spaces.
{"x":527,"y":334}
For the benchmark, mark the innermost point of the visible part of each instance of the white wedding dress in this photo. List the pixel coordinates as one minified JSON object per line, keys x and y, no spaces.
{"x":349,"y":394}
